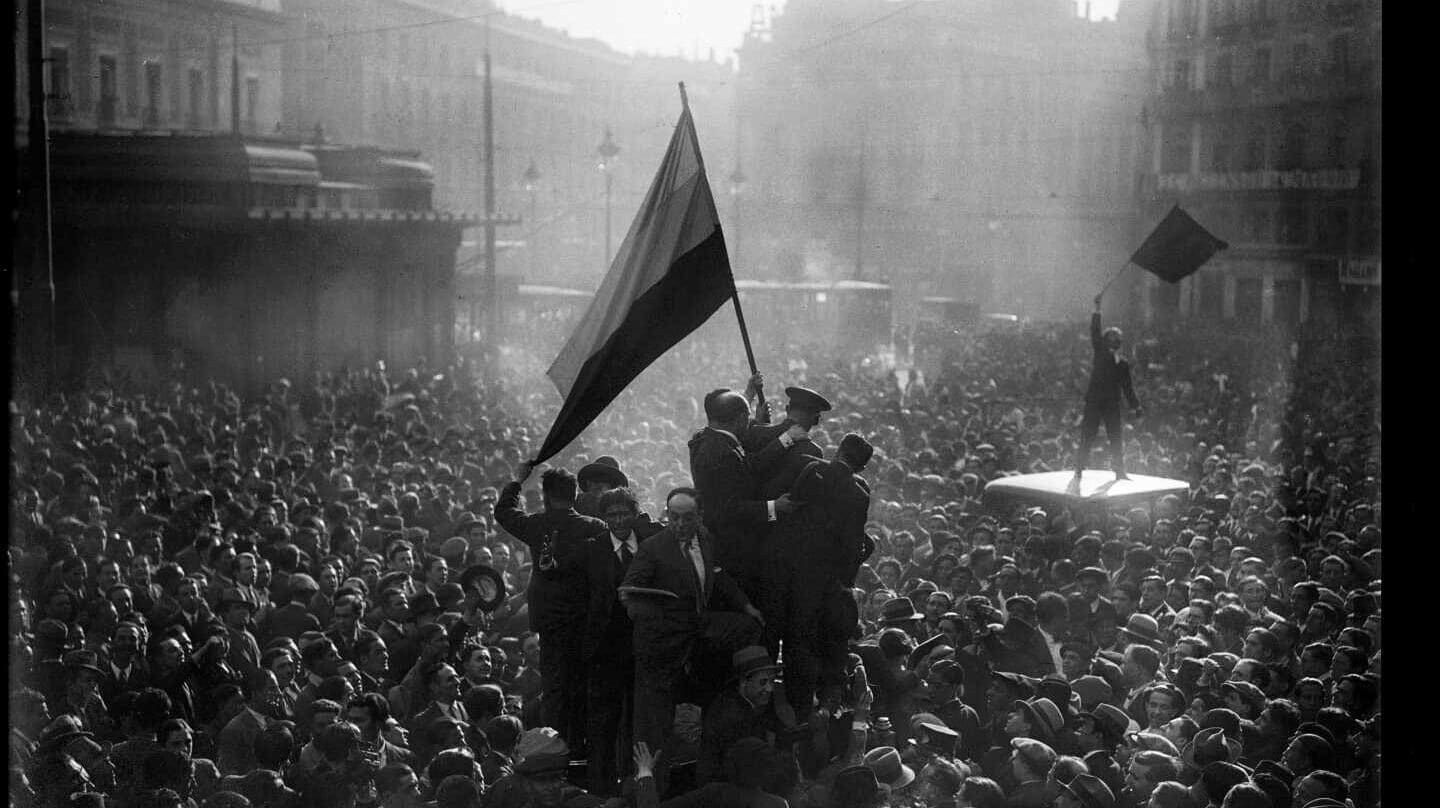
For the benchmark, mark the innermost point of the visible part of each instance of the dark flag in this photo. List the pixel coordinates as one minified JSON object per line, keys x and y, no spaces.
{"x":671,"y":273}
{"x":1176,"y":247}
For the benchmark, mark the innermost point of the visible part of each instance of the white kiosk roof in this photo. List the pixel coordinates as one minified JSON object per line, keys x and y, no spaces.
{"x":1095,"y":486}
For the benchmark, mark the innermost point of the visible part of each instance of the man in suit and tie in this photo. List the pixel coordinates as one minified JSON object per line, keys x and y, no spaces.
{"x":727,"y":477}
{"x":679,"y":560}
{"x":441,"y":683}
{"x":124,"y":666}
{"x":237,"y":739}
{"x":607,"y":650}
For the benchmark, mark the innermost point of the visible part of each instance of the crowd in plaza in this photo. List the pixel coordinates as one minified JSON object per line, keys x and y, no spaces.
{"x":354,"y":589}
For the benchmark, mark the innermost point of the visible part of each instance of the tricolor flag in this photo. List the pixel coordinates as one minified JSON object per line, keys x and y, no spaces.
{"x":671,"y":273}
{"x":1176,"y":247}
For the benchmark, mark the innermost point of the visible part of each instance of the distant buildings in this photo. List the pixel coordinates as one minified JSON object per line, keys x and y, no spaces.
{"x":976,"y":149}
{"x":1264,"y":122}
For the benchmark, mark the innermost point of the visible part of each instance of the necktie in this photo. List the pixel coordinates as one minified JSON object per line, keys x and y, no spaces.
{"x":692,"y":548}
{"x":625,"y":554}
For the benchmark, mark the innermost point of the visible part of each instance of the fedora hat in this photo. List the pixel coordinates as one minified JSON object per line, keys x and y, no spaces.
{"x":899,"y":610}
{"x":857,"y":781}
{"x":1091,"y":791}
{"x":604,"y":469}
{"x":63,"y":729}
{"x":1111,"y":720}
{"x":82,"y":660}
{"x":885,"y":762}
{"x":486,"y":580}
{"x":1211,"y":744}
{"x":1144,"y":629}
{"x":751,"y":659}
{"x":1042,"y":715}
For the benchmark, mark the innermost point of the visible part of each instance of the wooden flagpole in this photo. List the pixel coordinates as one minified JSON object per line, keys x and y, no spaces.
{"x":734,"y":292}
{"x":1116,"y":275}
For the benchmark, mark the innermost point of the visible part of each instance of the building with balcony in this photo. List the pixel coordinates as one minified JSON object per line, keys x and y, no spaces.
{"x":159,"y":65}
{"x":1264,"y":123}
{"x":975,"y":149}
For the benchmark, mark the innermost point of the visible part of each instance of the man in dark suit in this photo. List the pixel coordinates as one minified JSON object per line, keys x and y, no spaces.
{"x":1091,"y":611}
{"x":598,"y":565}
{"x":679,"y":560}
{"x":124,"y":666}
{"x":555,"y":603}
{"x":1109,"y":379}
{"x":726,"y":476}
{"x":440,"y":684}
{"x":822,"y":556}
{"x":803,"y":411}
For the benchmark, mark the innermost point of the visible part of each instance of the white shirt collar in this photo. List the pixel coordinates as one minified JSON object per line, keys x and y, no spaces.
{"x":615,"y":542}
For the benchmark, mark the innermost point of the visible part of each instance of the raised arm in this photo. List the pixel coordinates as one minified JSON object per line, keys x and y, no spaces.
{"x":1095,"y":326}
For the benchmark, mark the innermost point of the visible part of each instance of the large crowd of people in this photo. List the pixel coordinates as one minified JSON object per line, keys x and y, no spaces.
{"x":355,"y":589}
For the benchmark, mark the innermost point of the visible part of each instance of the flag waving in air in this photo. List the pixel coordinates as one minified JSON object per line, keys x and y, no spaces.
{"x":671,"y":273}
{"x":1176,"y":247}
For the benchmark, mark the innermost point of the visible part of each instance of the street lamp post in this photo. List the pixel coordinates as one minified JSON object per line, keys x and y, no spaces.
{"x":531,"y":179}
{"x":607,"y":153}
{"x":737,"y":185}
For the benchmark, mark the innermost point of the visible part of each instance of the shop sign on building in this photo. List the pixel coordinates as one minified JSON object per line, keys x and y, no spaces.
{"x":1360,"y":271}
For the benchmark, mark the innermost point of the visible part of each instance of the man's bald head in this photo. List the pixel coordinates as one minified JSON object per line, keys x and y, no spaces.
{"x":726,"y":407}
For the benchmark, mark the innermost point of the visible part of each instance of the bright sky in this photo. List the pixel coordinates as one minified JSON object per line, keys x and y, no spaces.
{"x":690,"y":27}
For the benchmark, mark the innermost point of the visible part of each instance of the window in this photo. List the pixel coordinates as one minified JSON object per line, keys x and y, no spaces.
{"x":197,"y":97}
{"x":252,"y":101}
{"x":154,"y":89}
{"x":1293,"y":224}
{"x":1255,"y":149}
{"x":1340,"y":56}
{"x":1222,"y":70}
{"x":1180,"y":74}
{"x":1293,"y":156}
{"x":1175,"y":151}
{"x":59,"y":100}
{"x":1260,"y":66}
{"x":108,"y":91}
{"x":1334,"y":229}
{"x":1299,"y":61}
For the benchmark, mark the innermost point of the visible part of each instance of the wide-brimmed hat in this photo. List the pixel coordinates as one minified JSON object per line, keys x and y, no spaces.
{"x":899,"y":610}
{"x":885,"y":762}
{"x":1144,"y":629}
{"x":233,"y":594}
{"x":63,"y":729}
{"x":486,"y":580}
{"x":1109,"y":718}
{"x":605,"y":469}
{"x":1211,"y":744}
{"x":1091,"y":791}
{"x":857,"y":781}
{"x":82,"y":659}
{"x":541,"y":750}
{"x":1042,"y":715}
{"x":751,"y":659}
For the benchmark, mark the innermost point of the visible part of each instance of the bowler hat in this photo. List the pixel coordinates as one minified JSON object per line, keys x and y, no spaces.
{"x":1091,"y":791}
{"x":1144,"y":629}
{"x":807,"y":399}
{"x":751,"y":659}
{"x":899,"y":610}
{"x":885,"y":762}
{"x":605,"y":469}
{"x":488,"y":582}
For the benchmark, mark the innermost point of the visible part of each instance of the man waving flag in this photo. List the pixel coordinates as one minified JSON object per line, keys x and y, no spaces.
{"x":671,"y":273}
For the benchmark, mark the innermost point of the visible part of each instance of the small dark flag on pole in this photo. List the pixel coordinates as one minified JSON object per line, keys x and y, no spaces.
{"x":1177,"y":247}
{"x":670,"y":274}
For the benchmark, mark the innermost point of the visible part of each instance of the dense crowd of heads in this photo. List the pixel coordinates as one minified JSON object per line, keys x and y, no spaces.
{"x":231,"y":600}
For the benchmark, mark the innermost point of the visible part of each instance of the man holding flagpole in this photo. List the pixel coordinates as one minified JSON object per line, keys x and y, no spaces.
{"x":1109,"y":380}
